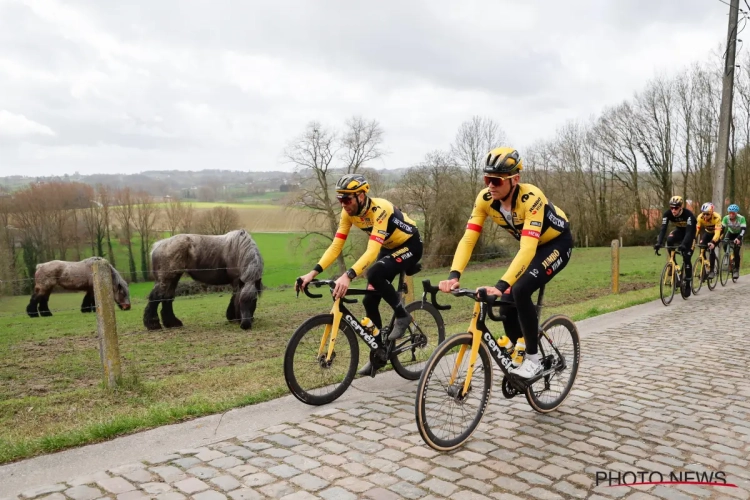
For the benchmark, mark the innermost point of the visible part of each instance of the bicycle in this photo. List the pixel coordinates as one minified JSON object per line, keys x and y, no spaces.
{"x":470,"y":392}
{"x":672,"y":276}
{"x":699,"y":271}
{"x":727,"y":263}
{"x":334,"y":365}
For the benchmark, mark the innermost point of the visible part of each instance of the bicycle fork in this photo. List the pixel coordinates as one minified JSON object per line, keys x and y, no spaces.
{"x":331,"y":331}
{"x":474,"y":353}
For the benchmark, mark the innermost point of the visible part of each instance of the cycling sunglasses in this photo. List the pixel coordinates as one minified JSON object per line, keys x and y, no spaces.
{"x":497,"y":181}
{"x":345,"y":199}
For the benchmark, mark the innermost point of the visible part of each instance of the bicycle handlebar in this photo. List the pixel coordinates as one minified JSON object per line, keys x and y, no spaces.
{"x":481,"y":296}
{"x":668,"y":247}
{"x":319,"y":283}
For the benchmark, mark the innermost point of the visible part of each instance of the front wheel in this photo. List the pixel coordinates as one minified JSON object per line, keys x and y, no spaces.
{"x":559,"y":349}
{"x":425,"y":333}
{"x":667,"y":284}
{"x":698,"y":275}
{"x":311,"y":378}
{"x":725,"y":269}
{"x":712,"y":282}
{"x":446,"y":417}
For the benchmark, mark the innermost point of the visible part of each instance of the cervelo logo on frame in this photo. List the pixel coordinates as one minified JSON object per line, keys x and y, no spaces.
{"x":361,"y":332}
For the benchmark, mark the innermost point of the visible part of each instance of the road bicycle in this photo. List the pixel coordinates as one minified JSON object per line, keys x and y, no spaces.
{"x":672,"y":277}
{"x":727,"y":263}
{"x":700,"y":270}
{"x":322,"y":355}
{"x":455,"y":386}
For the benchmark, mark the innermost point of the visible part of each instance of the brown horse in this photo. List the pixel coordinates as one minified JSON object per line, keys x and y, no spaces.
{"x":228,"y":259}
{"x":73,"y":276}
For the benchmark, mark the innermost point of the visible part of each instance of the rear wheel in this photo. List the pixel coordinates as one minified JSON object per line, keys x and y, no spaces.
{"x":425,"y":333}
{"x":311,"y":378}
{"x":560,"y":348}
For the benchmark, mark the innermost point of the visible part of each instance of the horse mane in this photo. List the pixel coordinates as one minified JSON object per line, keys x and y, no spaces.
{"x":247,"y":257}
{"x":117,"y":279}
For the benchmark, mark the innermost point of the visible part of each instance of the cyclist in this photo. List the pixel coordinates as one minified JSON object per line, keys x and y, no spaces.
{"x":685,"y":230}
{"x":710,"y":222}
{"x":394,"y":244}
{"x":733,"y":228}
{"x":545,"y":247}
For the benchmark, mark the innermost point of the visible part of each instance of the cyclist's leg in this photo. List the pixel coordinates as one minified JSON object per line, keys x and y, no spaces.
{"x":705,"y":240}
{"x":737,"y":255}
{"x":549,"y":260}
{"x":384,"y":271}
{"x":675,"y":238}
{"x":371,"y":303}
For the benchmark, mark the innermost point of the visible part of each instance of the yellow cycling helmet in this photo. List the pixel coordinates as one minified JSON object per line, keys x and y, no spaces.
{"x":352,"y":183}
{"x":503,"y":161}
{"x":676,"y":201}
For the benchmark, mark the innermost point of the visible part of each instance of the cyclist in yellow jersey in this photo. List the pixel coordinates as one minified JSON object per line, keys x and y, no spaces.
{"x":710,"y":222}
{"x":546,"y":244}
{"x":395,"y":244}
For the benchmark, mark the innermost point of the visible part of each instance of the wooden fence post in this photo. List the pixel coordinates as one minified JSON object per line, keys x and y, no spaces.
{"x":615,"y":266}
{"x":109,"y":350}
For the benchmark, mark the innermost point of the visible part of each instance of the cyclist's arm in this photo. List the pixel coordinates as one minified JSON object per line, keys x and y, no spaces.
{"x":471,"y":235}
{"x":334,"y":249}
{"x":377,"y":237}
{"x":663,"y":232}
{"x":743,"y":226}
{"x":692,"y":235}
{"x":532,"y":228}
{"x":717,"y":230}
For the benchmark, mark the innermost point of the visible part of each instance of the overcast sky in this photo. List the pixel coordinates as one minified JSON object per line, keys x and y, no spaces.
{"x":122,"y":87}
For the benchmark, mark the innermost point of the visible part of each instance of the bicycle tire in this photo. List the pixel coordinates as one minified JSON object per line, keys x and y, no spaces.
{"x":667,"y":271}
{"x":697,"y":275}
{"x":532,"y":397}
{"x":712,"y":282}
{"x":408,"y":372}
{"x":290,"y":376}
{"x":427,"y":428}
{"x":724,"y":270}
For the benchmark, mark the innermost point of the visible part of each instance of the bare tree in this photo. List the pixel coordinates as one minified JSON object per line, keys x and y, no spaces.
{"x":313,"y":154}
{"x":146,"y":213}
{"x":124,"y":212}
{"x":104,"y":195}
{"x":218,"y":220}
{"x":656,"y":133}
{"x":174,"y":215}
{"x":474,"y":139}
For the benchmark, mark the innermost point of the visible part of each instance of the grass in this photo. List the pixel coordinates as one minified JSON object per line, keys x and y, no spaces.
{"x":51,"y":395}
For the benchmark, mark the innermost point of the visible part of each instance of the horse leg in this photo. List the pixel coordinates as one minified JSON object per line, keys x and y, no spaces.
{"x":88,"y":304}
{"x":231,"y":309}
{"x":32,"y":308}
{"x":151,"y":314}
{"x":167,"y":311}
{"x":248,"y":301}
{"x":44,"y":306}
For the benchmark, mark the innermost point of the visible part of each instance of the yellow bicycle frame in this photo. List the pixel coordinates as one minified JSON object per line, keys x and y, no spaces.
{"x":332,"y":330}
{"x":476,"y":340}
{"x":675,"y":266}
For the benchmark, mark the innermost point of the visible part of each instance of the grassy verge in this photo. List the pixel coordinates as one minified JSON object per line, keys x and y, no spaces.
{"x":51,"y":396}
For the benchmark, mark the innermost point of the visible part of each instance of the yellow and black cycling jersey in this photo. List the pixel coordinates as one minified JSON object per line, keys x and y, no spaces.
{"x":711,"y":226}
{"x":534,"y":221}
{"x":386,"y":224}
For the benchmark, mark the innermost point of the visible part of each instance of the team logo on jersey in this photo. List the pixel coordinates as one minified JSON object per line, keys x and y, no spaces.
{"x":487,"y":196}
{"x":550,"y":259}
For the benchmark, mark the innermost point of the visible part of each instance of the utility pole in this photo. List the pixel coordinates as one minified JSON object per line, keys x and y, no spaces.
{"x":725,"y":113}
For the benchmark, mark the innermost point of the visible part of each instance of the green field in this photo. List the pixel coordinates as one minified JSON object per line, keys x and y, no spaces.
{"x":50,"y":392}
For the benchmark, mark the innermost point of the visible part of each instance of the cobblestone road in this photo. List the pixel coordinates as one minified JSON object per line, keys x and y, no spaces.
{"x":664,"y":393}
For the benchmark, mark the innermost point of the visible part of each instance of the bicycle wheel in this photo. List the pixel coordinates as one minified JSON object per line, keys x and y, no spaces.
{"x":698,"y":273}
{"x":559,"y":346}
{"x":712,"y":282}
{"x":439,"y":407}
{"x":425,"y":333}
{"x":315,"y":381}
{"x":667,"y":284}
{"x":725,"y":269}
